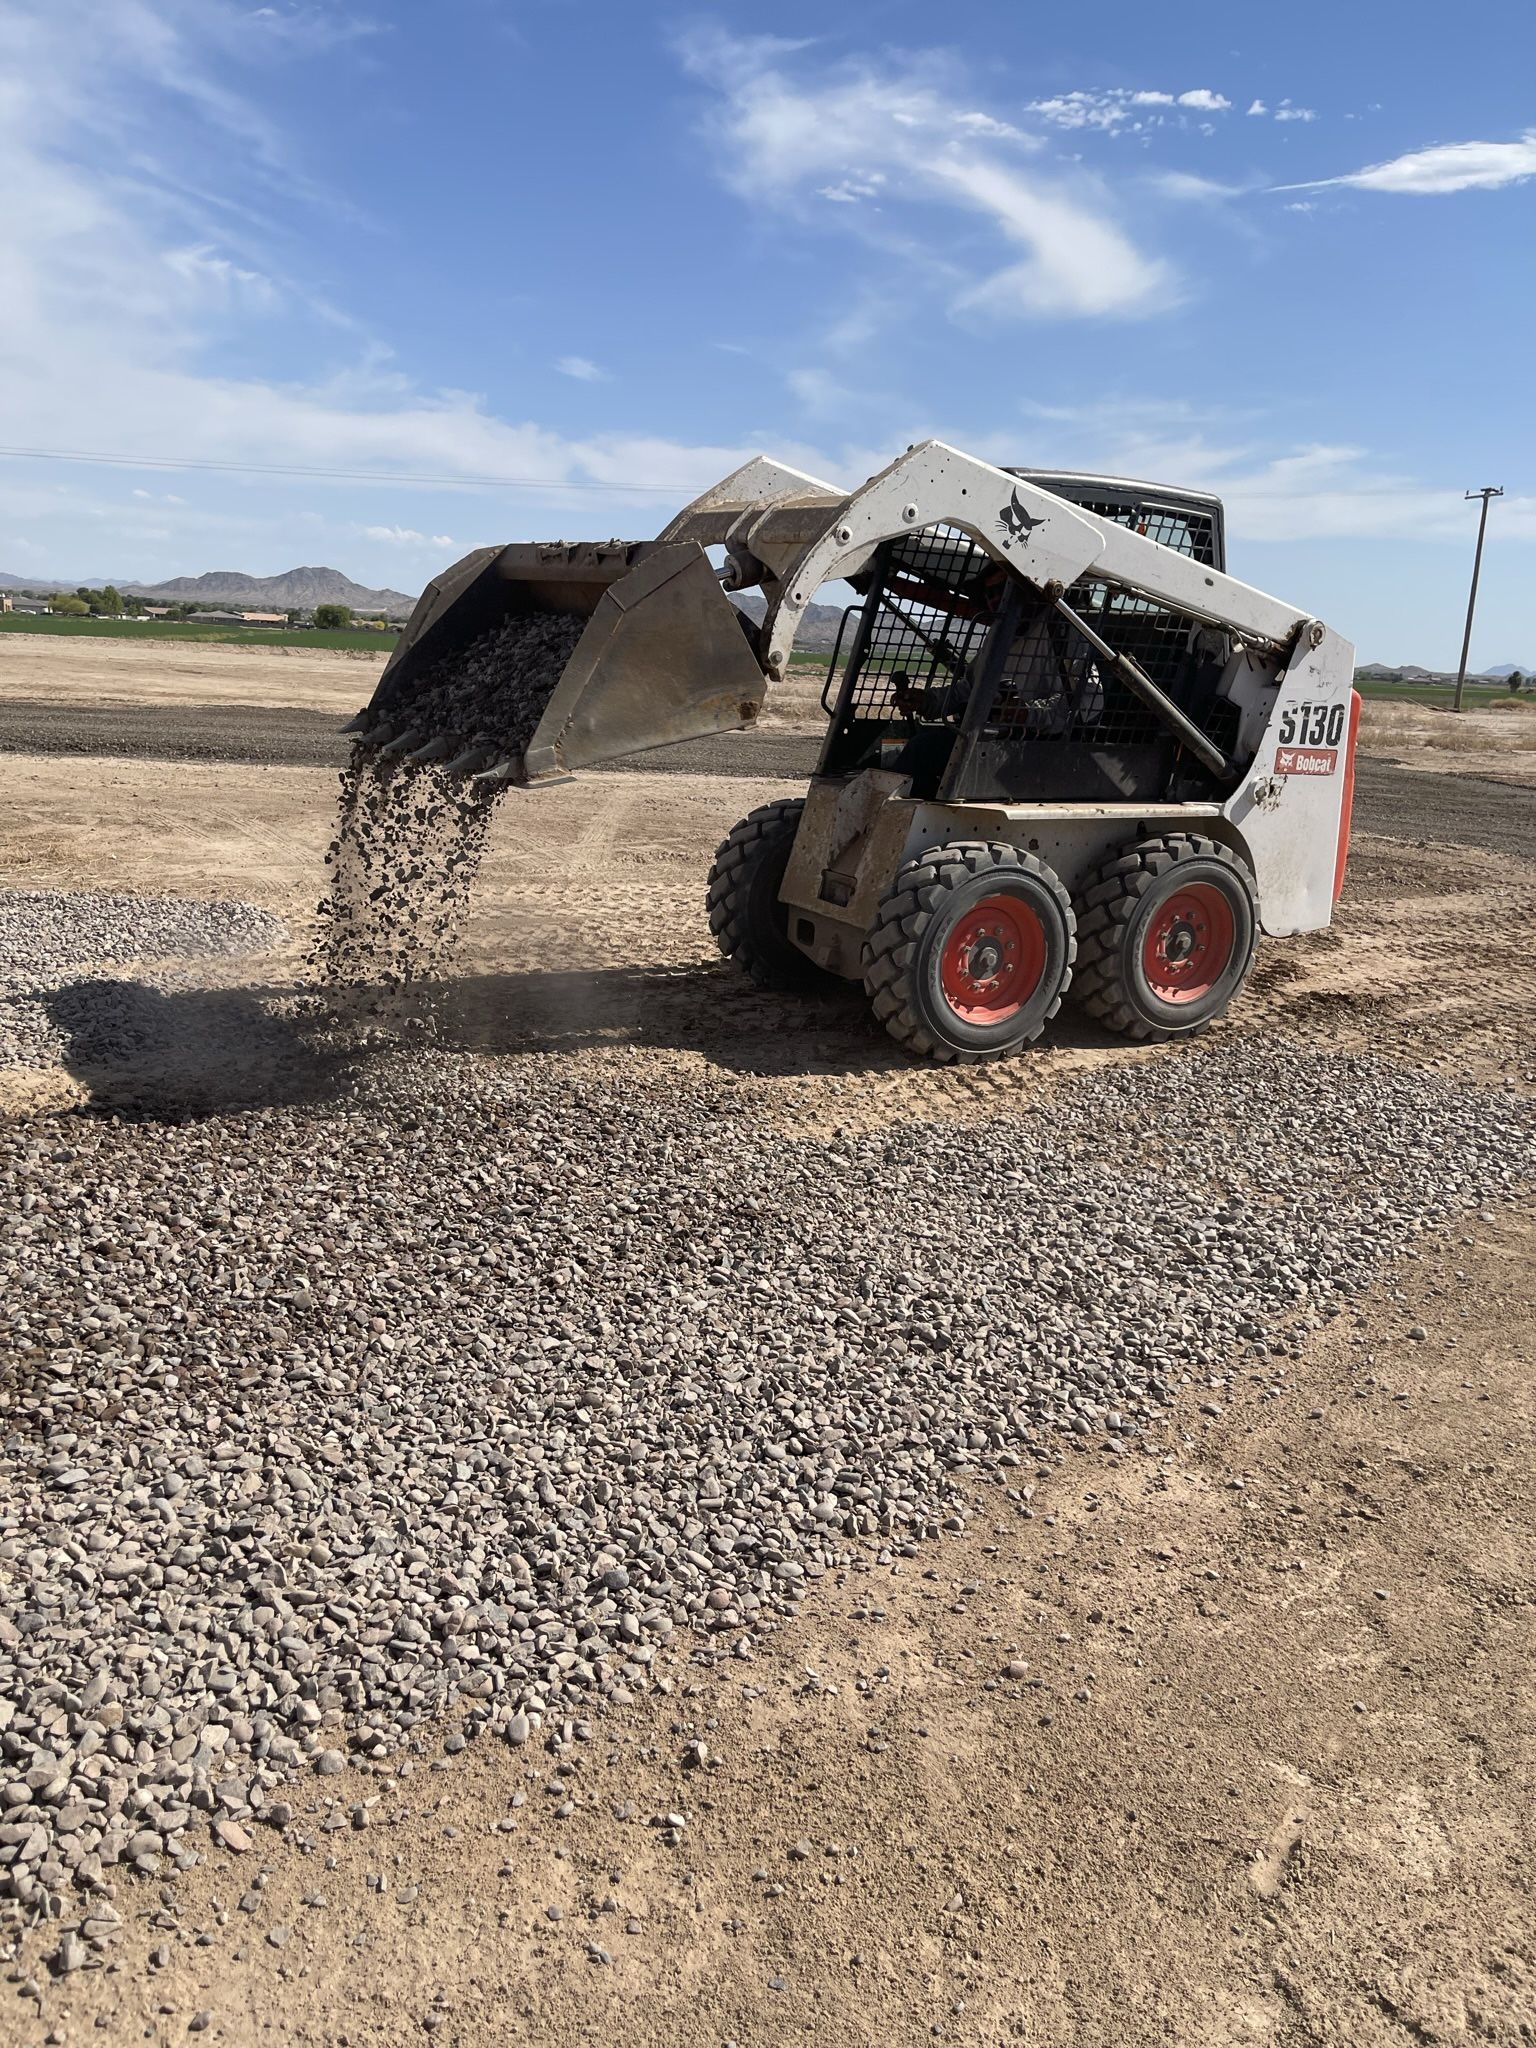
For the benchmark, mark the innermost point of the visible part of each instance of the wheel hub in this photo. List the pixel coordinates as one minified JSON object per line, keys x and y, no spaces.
{"x":1188,"y":944}
{"x":1180,"y":943}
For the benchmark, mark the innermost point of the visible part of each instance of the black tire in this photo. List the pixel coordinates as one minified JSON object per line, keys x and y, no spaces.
{"x":750,"y":924}
{"x":1166,"y":933}
{"x":946,"y":917}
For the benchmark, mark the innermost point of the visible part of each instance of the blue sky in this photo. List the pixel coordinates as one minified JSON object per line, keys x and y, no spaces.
{"x":1289,"y":253}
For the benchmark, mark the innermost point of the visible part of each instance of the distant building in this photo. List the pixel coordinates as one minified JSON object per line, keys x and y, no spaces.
{"x":265,"y":618}
{"x":5,"y":602}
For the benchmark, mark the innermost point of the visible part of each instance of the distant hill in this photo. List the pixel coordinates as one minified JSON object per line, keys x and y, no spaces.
{"x":1509,"y":668}
{"x":294,"y":590}
{"x":818,"y":629}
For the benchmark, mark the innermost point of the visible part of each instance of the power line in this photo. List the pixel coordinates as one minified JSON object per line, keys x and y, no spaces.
{"x":361,"y":476}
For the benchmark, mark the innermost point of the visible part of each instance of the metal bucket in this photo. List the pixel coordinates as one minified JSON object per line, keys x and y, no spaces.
{"x":665,"y":656}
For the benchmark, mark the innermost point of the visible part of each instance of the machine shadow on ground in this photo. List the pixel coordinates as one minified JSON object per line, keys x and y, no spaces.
{"x":701,"y":1008}
{"x":190,"y":1052}
{"x":180,"y":1053}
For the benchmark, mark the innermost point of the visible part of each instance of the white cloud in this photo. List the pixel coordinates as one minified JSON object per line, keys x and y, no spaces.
{"x":988,"y":125}
{"x":1258,"y":107}
{"x":407,"y":537}
{"x":1078,"y":263}
{"x":849,"y":191}
{"x":582,"y":368}
{"x":1117,"y":107}
{"x":1445,"y":167}
{"x":310,"y":30}
{"x":225,"y":281}
{"x":902,"y":130}
{"x":1317,"y":491}
{"x":1188,"y":185}
{"x":1287,"y":112}
{"x":820,"y":393}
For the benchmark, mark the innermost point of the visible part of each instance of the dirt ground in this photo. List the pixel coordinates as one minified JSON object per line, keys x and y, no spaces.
{"x":75,"y":668}
{"x":1266,"y":1770}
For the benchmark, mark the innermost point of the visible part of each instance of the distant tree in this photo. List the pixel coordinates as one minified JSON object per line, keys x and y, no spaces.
{"x":295,"y":618}
{"x":112,"y":601}
{"x":133,"y":606}
{"x":1516,"y":680}
{"x":332,"y":617}
{"x":69,"y":607}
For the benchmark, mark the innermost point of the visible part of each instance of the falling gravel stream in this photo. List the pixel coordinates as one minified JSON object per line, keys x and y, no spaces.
{"x":327,"y":1431}
{"x":410,"y":838}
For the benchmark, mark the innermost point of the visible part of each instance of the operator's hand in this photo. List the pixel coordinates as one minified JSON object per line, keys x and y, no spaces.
{"x":907,"y":698}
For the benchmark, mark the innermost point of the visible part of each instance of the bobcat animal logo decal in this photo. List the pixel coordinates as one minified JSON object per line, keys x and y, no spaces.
{"x":1016,"y":520}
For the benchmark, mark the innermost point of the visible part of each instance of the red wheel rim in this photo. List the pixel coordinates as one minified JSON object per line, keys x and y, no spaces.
{"x":1188,"y":944}
{"x":993,"y":959}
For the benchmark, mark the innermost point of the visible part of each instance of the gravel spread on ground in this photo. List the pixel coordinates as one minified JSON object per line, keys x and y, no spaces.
{"x":57,"y":1008}
{"x":440,"y":1409}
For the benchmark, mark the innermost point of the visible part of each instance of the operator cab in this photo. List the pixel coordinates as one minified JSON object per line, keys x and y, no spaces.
{"x":952,"y":675}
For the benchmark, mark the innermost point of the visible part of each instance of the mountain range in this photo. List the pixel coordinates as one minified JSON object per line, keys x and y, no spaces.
{"x":1405,"y":671}
{"x":294,"y":590}
{"x":818,"y":628}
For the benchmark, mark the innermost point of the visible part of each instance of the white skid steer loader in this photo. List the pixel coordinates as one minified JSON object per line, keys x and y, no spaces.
{"x":1064,"y":746}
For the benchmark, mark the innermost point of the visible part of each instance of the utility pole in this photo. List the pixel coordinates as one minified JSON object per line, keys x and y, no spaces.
{"x":1488,"y":491}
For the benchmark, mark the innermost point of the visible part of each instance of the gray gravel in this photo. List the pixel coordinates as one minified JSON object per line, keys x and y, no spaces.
{"x":496,"y":688}
{"x":55,"y":1005}
{"x":409,"y":840}
{"x":330,"y":1431}
{"x":408,"y":846}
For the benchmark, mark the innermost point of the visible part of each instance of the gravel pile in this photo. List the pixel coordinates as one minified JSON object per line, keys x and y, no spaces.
{"x":56,"y":1007}
{"x":468,"y":1393}
{"x":498,"y":687}
{"x":409,"y":840}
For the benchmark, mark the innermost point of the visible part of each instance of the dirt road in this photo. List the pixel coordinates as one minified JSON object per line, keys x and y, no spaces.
{"x":1226,"y":1743}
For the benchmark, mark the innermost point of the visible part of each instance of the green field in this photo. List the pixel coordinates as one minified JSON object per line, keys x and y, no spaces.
{"x":171,"y":629}
{"x":1477,"y":697}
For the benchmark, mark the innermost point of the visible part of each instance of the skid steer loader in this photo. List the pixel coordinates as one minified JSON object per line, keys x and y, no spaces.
{"x":1064,"y":747}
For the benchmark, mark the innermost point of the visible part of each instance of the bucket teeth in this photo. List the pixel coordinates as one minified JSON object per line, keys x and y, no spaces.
{"x":476,"y":757}
{"x":506,"y":771}
{"x":393,"y":749}
{"x":361,"y":723}
{"x":434,"y":750}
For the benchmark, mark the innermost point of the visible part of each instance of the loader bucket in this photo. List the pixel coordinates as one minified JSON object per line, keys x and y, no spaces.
{"x":523,"y":663}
